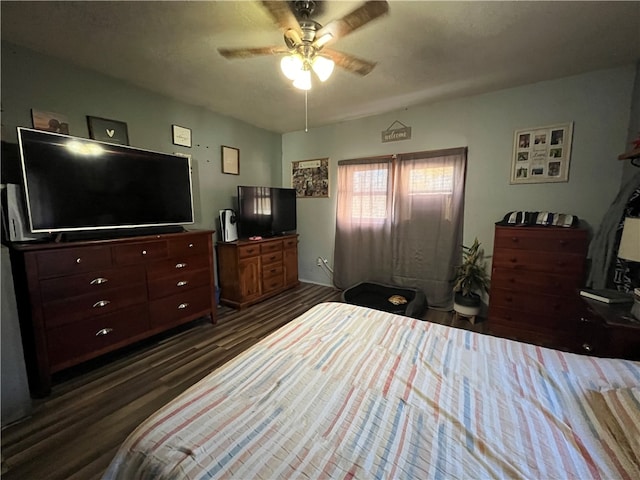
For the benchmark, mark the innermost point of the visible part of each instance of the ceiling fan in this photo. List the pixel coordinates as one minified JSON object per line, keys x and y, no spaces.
{"x":305,"y":40}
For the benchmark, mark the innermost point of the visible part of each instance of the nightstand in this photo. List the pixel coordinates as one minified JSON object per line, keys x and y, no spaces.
{"x":608,"y":330}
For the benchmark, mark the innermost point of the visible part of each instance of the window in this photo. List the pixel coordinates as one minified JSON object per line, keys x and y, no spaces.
{"x":431,"y":180}
{"x":369,"y":198}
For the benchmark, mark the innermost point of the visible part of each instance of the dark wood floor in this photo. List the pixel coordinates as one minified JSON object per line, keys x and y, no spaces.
{"x":74,"y":433}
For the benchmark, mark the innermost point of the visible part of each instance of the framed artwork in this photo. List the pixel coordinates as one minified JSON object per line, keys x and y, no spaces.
{"x":542,"y":154}
{"x":181,"y":136}
{"x":105,"y":130}
{"x":310,"y":178}
{"x":50,"y":121}
{"x":230,"y":160}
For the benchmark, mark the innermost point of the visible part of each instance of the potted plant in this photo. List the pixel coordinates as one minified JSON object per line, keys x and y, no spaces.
{"x":470,"y":280}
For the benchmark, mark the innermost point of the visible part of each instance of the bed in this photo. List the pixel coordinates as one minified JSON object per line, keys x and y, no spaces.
{"x":345,"y":391}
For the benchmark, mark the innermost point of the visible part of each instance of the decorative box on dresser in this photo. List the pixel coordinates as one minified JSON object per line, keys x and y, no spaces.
{"x":536,"y":275}
{"x":250,"y":271}
{"x":79,"y":300}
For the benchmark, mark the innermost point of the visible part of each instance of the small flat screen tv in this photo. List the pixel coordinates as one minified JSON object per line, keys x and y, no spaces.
{"x":266,"y":211}
{"x":75,"y":184}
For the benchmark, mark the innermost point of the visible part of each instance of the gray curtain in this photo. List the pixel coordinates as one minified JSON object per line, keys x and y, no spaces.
{"x":415,"y":241}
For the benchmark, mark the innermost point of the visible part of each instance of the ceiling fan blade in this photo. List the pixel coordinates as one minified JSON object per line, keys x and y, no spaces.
{"x":284,"y":17}
{"x":349,"y":62}
{"x":232,"y":53}
{"x":352,"y":21}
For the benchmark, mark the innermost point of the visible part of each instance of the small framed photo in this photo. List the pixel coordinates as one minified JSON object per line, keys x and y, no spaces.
{"x":542,"y":154}
{"x":181,"y":136}
{"x":50,"y":121}
{"x":105,"y":130}
{"x":230,"y":160}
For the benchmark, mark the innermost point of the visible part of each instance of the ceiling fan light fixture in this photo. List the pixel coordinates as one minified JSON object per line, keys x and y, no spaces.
{"x":303,"y":81}
{"x":323,"y":67}
{"x":291,"y":66}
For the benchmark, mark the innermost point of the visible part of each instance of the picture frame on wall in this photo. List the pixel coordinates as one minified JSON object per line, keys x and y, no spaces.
{"x":106,"y":130}
{"x":50,"y":121}
{"x":310,"y":178}
{"x":230,"y":160}
{"x":181,"y":136}
{"x":542,"y":154}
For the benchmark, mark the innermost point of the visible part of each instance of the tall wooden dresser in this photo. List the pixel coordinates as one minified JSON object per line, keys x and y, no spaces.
{"x":536,"y":276}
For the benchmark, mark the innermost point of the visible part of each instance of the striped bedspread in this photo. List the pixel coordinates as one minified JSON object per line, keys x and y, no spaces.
{"x":348,"y":392}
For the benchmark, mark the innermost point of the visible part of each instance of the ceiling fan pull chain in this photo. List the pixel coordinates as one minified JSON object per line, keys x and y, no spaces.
{"x":306,"y":126}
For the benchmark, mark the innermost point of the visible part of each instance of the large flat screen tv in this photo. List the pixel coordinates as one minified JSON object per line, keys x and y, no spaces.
{"x":75,"y":184}
{"x":266,"y":211}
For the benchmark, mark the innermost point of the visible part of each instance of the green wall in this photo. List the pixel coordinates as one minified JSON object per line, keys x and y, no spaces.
{"x":599,"y":104}
{"x":31,"y":80}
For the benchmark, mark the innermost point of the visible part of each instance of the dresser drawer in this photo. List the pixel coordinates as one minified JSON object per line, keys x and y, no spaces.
{"x":164,"y":286}
{"x":245,"y":251}
{"x":273,"y":246}
{"x":70,"y":261}
{"x":535,"y":282}
{"x":548,"y":239}
{"x":87,"y":338}
{"x":272,"y":283}
{"x":178,"y":265}
{"x":174,"y":309}
{"x":273,"y":257}
{"x":135,"y":253}
{"x":193,"y":245}
{"x":539,"y":261}
{"x":526,"y":332}
{"x":290,"y":242}
{"x":525,"y":320}
{"x":273,"y":270}
{"x":99,"y":303}
{"x":93,"y":282}
{"x":563,"y":308}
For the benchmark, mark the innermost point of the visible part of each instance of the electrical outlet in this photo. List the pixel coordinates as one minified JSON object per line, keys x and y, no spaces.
{"x":319,"y":261}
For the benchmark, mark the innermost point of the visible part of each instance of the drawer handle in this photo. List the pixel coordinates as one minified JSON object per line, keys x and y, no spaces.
{"x":515,"y":239}
{"x":182,"y":306}
{"x":181,"y":283}
{"x":101,"y":303}
{"x":585,"y":320}
{"x":191,"y":245}
{"x":98,"y":281}
{"x":78,"y":260}
{"x":513,"y":259}
{"x":273,"y":270}
{"x":104,"y":331}
{"x":250,"y":250}
{"x":144,"y":252}
{"x":587,"y":347}
{"x":181,"y":265}
{"x":563,"y":242}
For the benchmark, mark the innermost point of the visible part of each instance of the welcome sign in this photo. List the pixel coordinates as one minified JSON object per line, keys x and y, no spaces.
{"x":401,"y":132}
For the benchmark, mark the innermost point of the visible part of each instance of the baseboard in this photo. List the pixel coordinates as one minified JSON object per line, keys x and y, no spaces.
{"x":318,"y":283}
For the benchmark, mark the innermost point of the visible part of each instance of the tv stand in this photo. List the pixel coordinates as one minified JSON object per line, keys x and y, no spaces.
{"x":79,"y":300}
{"x":250,"y":271}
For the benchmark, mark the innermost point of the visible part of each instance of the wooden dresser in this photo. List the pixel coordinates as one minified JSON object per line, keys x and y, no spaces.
{"x":536,"y":276}
{"x":79,"y":300}
{"x":250,"y":271}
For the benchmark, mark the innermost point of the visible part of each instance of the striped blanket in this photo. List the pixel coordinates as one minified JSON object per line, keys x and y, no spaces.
{"x":349,"y":392}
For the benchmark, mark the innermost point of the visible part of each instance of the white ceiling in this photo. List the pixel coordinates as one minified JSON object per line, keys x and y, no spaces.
{"x":425,"y":51}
